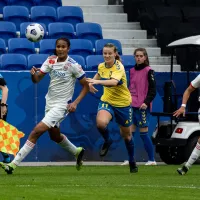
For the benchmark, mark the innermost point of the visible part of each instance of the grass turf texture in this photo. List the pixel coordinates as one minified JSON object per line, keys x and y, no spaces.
{"x":99,"y":183}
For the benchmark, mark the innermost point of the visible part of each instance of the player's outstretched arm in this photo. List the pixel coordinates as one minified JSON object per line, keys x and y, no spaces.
{"x":186,"y":96}
{"x":36,"y":75}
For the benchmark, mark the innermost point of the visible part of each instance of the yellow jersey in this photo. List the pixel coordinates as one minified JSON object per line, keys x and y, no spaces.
{"x":119,"y":95}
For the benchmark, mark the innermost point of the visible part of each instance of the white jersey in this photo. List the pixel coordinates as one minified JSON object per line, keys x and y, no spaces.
{"x":63,"y":77}
{"x":196,"y":82}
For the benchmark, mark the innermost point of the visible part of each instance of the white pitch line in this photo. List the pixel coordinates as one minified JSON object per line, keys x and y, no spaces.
{"x":125,"y":185}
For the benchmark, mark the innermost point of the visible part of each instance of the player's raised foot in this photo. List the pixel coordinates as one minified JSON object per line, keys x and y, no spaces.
{"x":79,"y":157}
{"x":133,"y":167}
{"x":151,"y":163}
{"x":105,"y":147}
{"x":183,"y":170}
{"x":8,"y":168}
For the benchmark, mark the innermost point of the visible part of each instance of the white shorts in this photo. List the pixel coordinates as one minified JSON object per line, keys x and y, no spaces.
{"x":54,"y":116}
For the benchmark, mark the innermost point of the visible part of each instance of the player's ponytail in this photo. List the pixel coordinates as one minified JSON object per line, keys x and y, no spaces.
{"x":110,"y":45}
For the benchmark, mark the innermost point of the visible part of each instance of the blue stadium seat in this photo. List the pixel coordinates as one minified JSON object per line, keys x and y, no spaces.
{"x":128,"y":61}
{"x":52,"y":3}
{"x":16,"y":14}
{"x":81,"y":47}
{"x":92,"y":62}
{"x":27,"y":3}
{"x":36,"y":60}
{"x":21,"y":46}
{"x":70,"y":14}
{"x":13,"y":62}
{"x":79,"y":59}
{"x":59,"y":30}
{"x":90,"y":31}
{"x":99,"y":44}
{"x":2,"y":46}
{"x":7,"y":31}
{"x":48,"y":46}
{"x":23,"y":31}
{"x":2,"y":4}
{"x":43,"y":14}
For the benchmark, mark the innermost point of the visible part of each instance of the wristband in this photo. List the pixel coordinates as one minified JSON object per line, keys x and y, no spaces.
{"x":3,"y":104}
{"x":183,"y":105}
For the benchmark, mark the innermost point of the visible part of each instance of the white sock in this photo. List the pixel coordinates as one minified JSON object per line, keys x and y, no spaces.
{"x":194,"y":156}
{"x":67,"y":145}
{"x":23,"y":152}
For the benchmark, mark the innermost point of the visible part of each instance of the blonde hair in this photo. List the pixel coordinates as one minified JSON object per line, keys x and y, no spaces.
{"x":143,"y":50}
{"x":110,"y":45}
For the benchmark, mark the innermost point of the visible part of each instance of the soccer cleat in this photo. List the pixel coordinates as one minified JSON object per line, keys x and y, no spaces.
{"x":8,"y":168}
{"x":151,"y":163}
{"x":183,"y":170}
{"x":105,"y":148}
{"x":126,"y":162}
{"x":133,"y":167}
{"x":79,"y":157}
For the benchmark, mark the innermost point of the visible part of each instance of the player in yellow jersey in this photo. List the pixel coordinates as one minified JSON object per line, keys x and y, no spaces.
{"x":115,"y":101}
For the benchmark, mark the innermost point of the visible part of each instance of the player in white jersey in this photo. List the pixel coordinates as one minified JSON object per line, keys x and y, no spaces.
{"x":63,"y":72}
{"x":196,"y":152}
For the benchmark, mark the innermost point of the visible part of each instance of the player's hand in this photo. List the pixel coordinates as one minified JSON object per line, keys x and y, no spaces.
{"x":72,"y":107}
{"x":92,"y":88}
{"x":143,"y":106}
{"x":3,"y":111}
{"x":179,"y":112}
{"x":34,"y":70}
{"x":92,"y":81}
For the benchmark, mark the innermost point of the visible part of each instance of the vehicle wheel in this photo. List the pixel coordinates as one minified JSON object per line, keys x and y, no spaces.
{"x":172,"y":155}
{"x":190,"y":146}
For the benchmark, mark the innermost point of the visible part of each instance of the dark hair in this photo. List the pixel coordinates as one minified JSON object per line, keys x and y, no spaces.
{"x":143,"y":50}
{"x":110,"y":45}
{"x":64,"y":39}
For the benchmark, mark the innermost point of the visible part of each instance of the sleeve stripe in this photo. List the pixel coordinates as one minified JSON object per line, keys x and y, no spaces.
{"x":81,"y":77}
{"x":192,"y":85}
{"x":42,"y":72}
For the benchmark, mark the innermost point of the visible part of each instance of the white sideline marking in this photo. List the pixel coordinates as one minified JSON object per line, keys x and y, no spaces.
{"x":126,"y":185}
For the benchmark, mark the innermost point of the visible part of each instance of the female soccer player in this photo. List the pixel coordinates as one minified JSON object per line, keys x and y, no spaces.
{"x":3,"y":109}
{"x":115,"y":101}
{"x":143,"y":90}
{"x":63,"y":72}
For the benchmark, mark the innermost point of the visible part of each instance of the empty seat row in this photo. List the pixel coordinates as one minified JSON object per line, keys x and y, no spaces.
{"x":16,"y":62}
{"x":82,"y":47}
{"x":43,"y":14}
{"x":90,"y":31}
{"x":30,"y":3}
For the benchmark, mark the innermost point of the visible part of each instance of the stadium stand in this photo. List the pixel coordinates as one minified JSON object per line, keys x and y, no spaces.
{"x":13,"y":62}
{"x":70,"y":14}
{"x":16,"y":14}
{"x":36,"y":60}
{"x":80,"y":60}
{"x":7,"y":31}
{"x":82,"y":47}
{"x":27,"y":3}
{"x":59,"y":29}
{"x":21,"y":46}
{"x":52,"y":3}
{"x":90,"y":31}
{"x":47,"y":46}
{"x":2,"y":4}
{"x":43,"y":14}
{"x":92,"y":62}
{"x":2,"y":47}
{"x":128,"y":61}
{"x":99,"y":44}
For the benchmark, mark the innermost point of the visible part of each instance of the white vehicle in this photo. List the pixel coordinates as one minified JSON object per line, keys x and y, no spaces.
{"x":175,"y":139}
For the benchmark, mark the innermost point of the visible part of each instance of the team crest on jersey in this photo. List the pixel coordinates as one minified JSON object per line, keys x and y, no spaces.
{"x":67,"y":65}
{"x":51,"y":61}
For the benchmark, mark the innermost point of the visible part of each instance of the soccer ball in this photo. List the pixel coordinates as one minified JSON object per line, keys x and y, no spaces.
{"x":34,"y":32}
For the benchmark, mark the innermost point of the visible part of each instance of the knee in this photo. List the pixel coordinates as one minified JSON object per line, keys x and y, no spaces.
{"x":101,"y":124}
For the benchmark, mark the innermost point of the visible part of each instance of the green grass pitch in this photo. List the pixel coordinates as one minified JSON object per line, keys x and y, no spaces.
{"x":99,"y":183}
